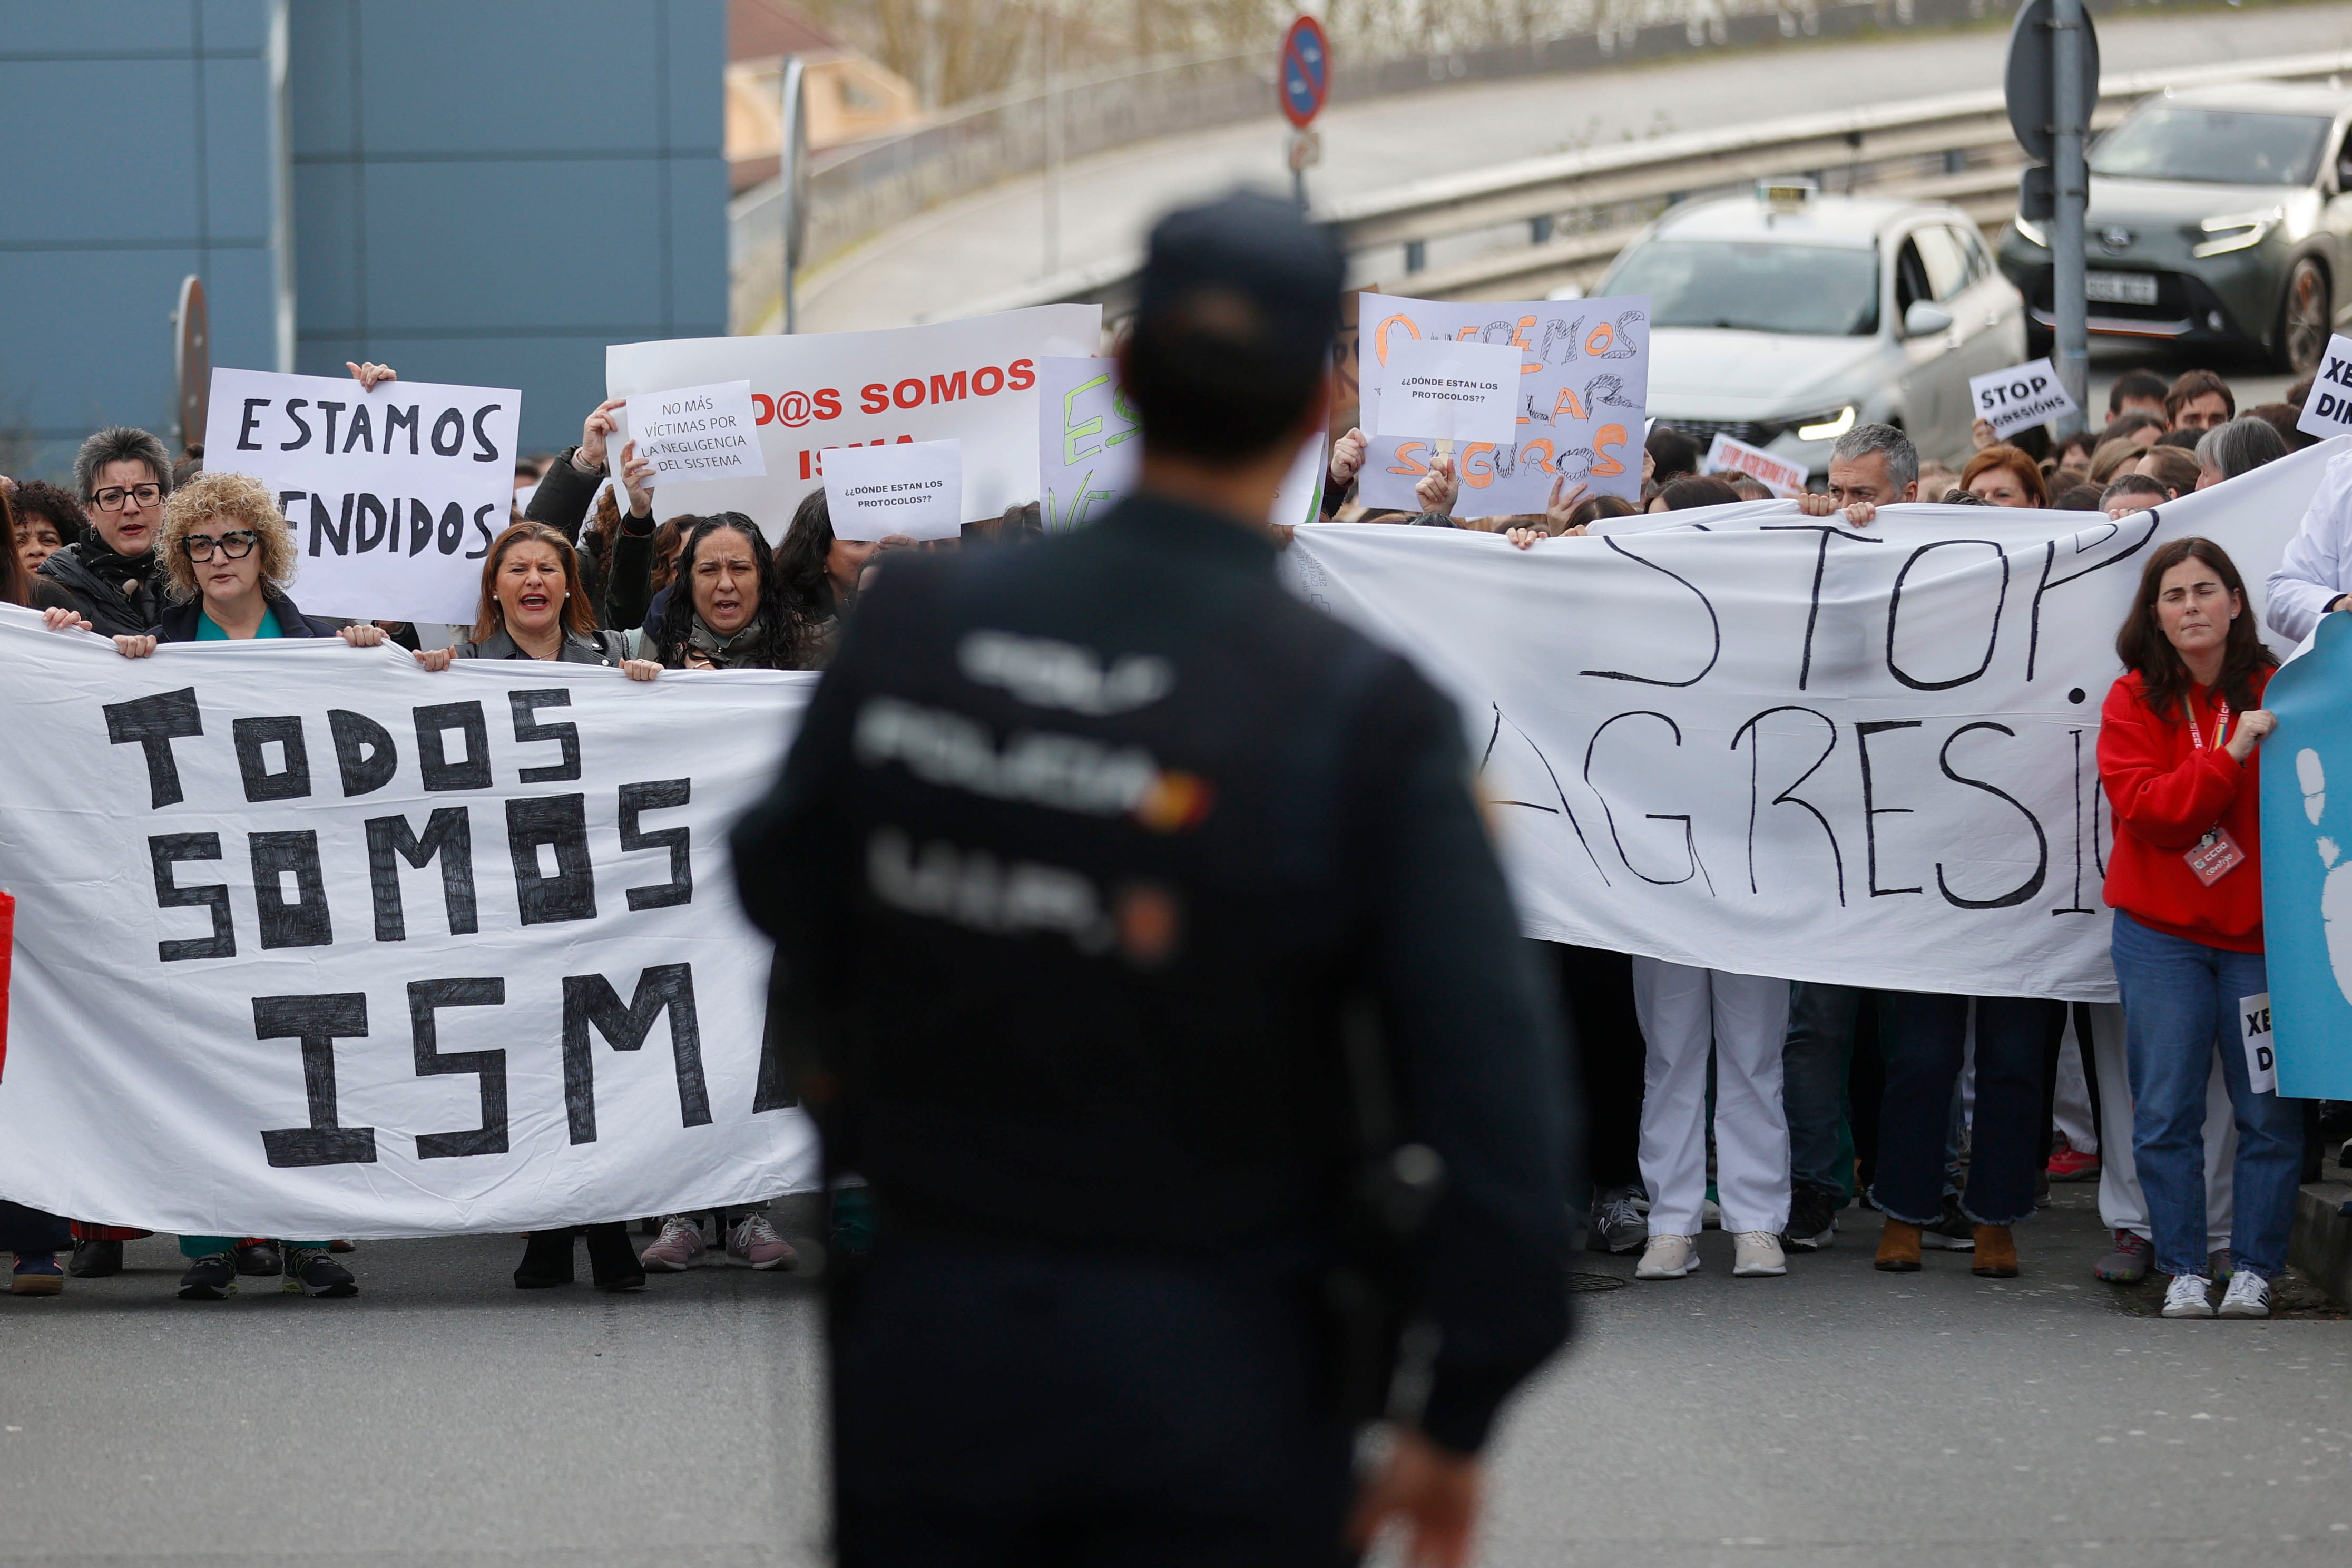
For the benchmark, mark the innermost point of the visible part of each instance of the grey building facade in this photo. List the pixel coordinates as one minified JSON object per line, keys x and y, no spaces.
{"x":485,"y":191}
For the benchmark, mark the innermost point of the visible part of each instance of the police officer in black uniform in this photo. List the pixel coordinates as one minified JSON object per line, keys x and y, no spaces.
{"x":1142,"y":945}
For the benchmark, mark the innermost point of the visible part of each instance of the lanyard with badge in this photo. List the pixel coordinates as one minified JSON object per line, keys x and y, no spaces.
{"x":2217,"y":854}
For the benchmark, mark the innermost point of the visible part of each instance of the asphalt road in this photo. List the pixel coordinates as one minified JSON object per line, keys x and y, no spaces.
{"x":1837,"y":1416}
{"x":931,"y":267}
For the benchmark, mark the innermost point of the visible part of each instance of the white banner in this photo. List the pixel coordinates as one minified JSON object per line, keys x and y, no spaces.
{"x":973,"y":381}
{"x":1779,"y":746}
{"x":311,"y":943}
{"x":1583,"y":383}
{"x":394,"y":493}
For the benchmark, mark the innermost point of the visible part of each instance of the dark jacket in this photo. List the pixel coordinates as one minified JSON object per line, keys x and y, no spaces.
{"x":1080,"y":856}
{"x":179,"y":623}
{"x":629,"y":577}
{"x":561,"y":499}
{"x":67,"y":580}
{"x":604,"y":648}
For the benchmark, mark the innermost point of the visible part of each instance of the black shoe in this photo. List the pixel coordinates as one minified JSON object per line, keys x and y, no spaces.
{"x":612,"y":1261}
{"x":1812,"y":1221}
{"x":1956,"y":1232}
{"x":95,"y":1260}
{"x":310,"y":1272}
{"x":212,"y":1278}
{"x":1614,"y":1224}
{"x":546,"y":1260}
{"x":259,"y":1259}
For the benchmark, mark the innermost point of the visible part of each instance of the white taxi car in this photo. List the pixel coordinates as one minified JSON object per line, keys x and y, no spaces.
{"x":1786,"y":318}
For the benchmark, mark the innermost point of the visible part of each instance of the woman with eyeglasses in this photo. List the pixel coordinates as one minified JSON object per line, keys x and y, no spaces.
{"x":226,"y":553}
{"x":108,"y":575}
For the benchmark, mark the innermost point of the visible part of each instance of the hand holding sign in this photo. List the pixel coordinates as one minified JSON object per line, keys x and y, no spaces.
{"x":2020,"y":397}
{"x":913,"y":489}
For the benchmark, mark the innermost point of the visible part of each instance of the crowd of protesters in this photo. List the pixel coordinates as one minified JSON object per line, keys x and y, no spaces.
{"x":1950,"y":1115}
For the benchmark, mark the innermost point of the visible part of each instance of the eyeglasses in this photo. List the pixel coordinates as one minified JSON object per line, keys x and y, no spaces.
{"x":237,"y":544}
{"x":111,"y":497}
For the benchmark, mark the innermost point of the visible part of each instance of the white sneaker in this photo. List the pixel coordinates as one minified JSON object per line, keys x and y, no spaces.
{"x":2249,"y":1295}
{"x":1710,"y":1215}
{"x":1667,"y":1258}
{"x":1755,"y":1255}
{"x":2190,"y":1295}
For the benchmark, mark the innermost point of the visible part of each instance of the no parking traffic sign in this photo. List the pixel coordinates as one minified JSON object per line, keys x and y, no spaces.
{"x":1305,"y":70}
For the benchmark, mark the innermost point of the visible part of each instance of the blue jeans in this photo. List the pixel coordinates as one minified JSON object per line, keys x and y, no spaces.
{"x":1925,"y":1038}
{"x":2180,"y":1003}
{"x":1813,"y":1069}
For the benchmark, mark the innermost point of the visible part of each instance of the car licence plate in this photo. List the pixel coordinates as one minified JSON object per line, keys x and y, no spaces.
{"x":2120,"y":287}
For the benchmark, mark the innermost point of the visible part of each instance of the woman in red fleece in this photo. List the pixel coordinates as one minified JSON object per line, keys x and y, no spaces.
{"x":2177,"y":753}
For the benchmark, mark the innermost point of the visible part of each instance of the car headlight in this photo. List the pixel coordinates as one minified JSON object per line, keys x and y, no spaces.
{"x":2239,"y":231}
{"x":1826,"y":426}
{"x":2030,"y":232}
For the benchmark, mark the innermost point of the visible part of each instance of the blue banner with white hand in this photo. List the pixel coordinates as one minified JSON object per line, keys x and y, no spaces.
{"x":2308,"y":866}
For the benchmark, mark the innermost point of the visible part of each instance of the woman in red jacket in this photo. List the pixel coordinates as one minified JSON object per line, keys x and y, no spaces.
{"x":2177,"y":753}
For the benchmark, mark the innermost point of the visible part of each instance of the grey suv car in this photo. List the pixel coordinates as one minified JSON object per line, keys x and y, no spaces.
{"x":2220,"y":218}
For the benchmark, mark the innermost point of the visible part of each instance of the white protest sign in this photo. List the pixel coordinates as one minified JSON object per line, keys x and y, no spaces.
{"x":1726,"y":455}
{"x":2020,"y":397}
{"x":394,"y":494}
{"x":973,"y":381}
{"x":914,"y":489}
{"x":1448,"y":391}
{"x":1584,"y":379}
{"x":312,"y":942}
{"x":1299,"y":497}
{"x":2260,"y":1041}
{"x":697,"y":433}
{"x":1749,"y":740}
{"x":1088,"y":450}
{"x":2327,"y":408}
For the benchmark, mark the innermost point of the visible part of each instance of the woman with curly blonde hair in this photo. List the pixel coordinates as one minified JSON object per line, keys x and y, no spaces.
{"x":227,"y":553}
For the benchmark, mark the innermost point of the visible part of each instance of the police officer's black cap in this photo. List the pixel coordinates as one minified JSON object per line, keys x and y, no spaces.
{"x":1249,"y":271}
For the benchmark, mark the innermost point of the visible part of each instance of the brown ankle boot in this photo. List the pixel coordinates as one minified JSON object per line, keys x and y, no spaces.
{"x":1898,"y":1247}
{"x":1996,"y":1253}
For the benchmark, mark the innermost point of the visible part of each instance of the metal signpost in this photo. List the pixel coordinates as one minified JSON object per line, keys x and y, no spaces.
{"x":1302,"y":71}
{"x":792,"y":172}
{"x":2053,"y":83}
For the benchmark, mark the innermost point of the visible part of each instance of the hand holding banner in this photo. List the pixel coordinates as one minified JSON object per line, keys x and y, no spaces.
{"x":910,"y":488}
{"x":386,"y":953}
{"x":394,"y":492}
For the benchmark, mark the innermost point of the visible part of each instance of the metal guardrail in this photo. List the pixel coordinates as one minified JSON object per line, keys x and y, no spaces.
{"x":1579,"y":208}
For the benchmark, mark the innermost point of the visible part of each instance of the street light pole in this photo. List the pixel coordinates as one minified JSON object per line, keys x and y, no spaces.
{"x":792,"y":171}
{"x":2071,"y":180}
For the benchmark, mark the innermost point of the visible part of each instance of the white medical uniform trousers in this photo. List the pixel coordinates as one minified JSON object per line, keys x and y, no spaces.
{"x":1745,"y":1018}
